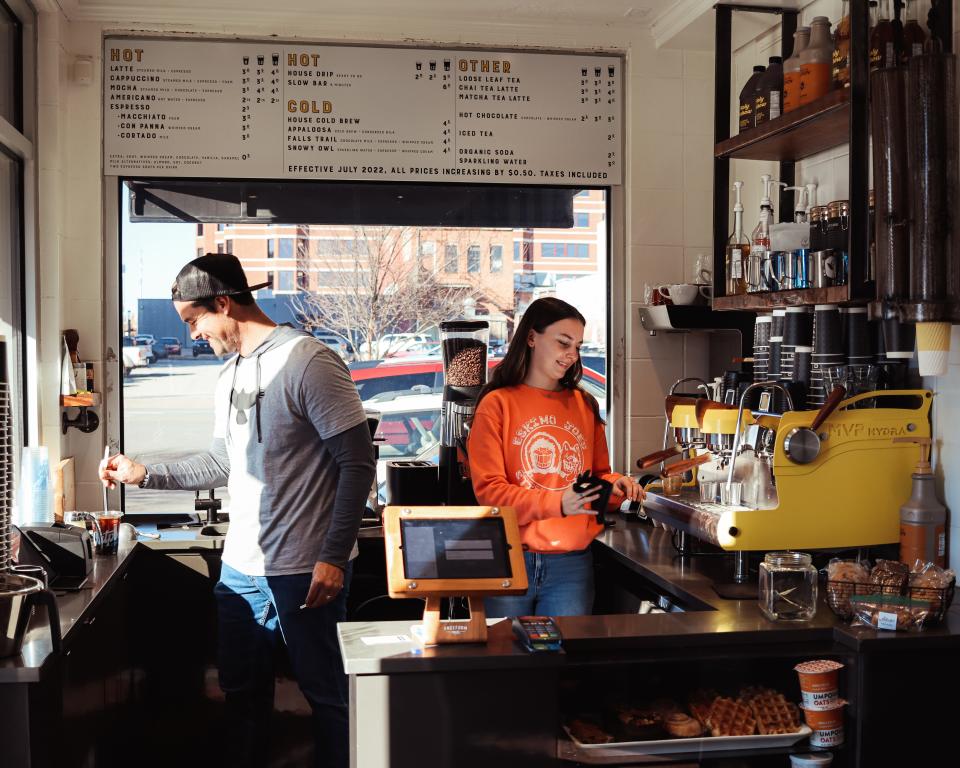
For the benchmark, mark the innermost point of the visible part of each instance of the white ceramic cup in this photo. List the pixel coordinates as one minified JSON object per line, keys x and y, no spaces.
{"x":680,"y":293}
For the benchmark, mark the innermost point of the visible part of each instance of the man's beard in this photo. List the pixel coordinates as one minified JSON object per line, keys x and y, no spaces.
{"x":221,"y":347}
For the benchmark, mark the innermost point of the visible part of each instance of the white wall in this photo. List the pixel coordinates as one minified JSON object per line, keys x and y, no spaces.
{"x":668,"y":157}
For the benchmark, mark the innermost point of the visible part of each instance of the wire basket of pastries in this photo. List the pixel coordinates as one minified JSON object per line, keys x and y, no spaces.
{"x":917,"y":595}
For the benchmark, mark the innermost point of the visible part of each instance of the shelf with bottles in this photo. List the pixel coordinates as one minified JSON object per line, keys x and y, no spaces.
{"x":835,"y":294}
{"x":815,"y":127}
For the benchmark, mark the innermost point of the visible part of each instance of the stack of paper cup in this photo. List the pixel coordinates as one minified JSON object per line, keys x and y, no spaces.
{"x":933,"y":348}
{"x":822,"y":706}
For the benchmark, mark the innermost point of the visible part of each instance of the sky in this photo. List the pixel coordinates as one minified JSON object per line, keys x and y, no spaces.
{"x":152,"y":256}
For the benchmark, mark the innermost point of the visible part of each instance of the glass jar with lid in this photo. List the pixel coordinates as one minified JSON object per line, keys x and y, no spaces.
{"x":818,"y":227}
{"x":838,"y":236}
{"x":788,"y":586}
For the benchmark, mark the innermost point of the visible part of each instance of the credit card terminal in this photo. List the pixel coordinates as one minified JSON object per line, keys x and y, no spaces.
{"x":587,"y":481}
{"x":537,"y":633}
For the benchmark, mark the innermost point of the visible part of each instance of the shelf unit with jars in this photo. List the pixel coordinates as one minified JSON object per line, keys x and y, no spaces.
{"x":840,"y":117}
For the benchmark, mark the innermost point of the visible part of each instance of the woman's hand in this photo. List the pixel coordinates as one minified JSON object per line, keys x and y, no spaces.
{"x":573,"y":503}
{"x":629,"y":488}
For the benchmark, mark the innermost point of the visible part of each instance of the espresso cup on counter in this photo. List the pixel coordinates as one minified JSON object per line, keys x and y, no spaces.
{"x":683,"y":294}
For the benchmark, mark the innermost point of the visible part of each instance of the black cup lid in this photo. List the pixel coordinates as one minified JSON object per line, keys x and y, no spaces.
{"x":454,"y":326}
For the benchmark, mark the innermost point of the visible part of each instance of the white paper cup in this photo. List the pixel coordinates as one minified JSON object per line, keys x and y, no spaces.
{"x":933,"y":348}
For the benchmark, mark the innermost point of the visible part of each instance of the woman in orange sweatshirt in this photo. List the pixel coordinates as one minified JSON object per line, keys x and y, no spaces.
{"x":534,"y":431}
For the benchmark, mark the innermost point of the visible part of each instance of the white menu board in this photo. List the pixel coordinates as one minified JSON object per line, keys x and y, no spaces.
{"x":199,"y":108}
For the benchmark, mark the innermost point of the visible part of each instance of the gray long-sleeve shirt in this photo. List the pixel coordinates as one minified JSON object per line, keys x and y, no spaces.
{"x":297,"y":459}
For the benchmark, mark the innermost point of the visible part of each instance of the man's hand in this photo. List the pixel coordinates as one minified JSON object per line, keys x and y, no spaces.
{"x":325,"y":586}
{"x":121,"y":469}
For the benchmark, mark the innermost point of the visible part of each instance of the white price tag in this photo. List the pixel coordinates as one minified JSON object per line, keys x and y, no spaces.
{"x":886,"y":620}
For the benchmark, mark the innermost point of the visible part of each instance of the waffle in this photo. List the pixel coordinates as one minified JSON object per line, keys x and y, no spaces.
{"x":731,"y":718}
{"x":774,"y":713}
{"x":700,"y":702}
{"x":750,"y":692}
{"x":589,"y":733}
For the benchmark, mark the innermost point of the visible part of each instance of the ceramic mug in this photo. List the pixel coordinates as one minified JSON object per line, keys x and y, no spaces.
{"x":680,"y":293}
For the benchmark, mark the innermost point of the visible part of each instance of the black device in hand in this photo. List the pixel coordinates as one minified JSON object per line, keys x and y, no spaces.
{"x":587,"y":481}
{"x":537,"y":633}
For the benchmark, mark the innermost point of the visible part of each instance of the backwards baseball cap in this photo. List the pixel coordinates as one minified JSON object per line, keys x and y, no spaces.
{"x":211,"y":275}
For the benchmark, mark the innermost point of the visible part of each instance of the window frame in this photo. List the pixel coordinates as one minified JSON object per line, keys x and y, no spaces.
{"x":17,"y":142}
{"x":474,"y":266}
{"x":617,"y":303}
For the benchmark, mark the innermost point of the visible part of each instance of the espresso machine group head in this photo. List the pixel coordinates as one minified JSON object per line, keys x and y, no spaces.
{"x":464,"y":346}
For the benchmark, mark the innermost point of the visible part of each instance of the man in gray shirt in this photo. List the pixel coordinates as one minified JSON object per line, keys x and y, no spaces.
{"x":291,"y":443}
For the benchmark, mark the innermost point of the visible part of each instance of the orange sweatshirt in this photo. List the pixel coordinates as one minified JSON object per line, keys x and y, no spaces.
{"x":526,"y":447}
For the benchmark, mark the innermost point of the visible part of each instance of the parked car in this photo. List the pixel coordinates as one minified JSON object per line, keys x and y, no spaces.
{"x":337,"y":343}
{"x":171,"y":345}
{"x":201,"y":347}
{"x":134,"y":355}
{"x":382,"y":380}
{"x":392,"y":343}
{"x":156,"y":349}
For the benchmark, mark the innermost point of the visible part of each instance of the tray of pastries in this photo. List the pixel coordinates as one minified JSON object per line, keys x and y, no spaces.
{"x":755,"y":718}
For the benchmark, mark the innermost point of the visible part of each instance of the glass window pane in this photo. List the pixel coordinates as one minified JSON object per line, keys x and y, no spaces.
{"x":11,"y":385}
{"x":10,"y":68}
{"x":329,"y":282}
{"x":581,"y":220}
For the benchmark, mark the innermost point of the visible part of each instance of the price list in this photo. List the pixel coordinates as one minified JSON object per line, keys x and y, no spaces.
{"x":261,"y":110}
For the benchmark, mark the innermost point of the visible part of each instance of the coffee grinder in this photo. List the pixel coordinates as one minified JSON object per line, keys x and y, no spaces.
{"x":464,"y":344}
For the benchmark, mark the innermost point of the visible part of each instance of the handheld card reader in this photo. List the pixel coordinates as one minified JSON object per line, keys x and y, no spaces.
{"x":537,"y":633}
{"x":587,"y":481}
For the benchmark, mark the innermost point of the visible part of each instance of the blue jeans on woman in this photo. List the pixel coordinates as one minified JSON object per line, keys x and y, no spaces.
{"x":560,"y":584}
{"x":255,"y":614}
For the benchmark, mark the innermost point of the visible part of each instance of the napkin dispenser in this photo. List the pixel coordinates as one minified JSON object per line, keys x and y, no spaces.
{"x":65,"y":552}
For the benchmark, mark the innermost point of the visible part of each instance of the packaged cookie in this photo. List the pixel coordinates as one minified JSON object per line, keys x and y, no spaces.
{"x":846,"y":578}
{"x":890,"y":612}
{"x":930,"y":582}
{"x":890,"y":576}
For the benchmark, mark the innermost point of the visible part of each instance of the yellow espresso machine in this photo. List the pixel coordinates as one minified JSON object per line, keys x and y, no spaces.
{"x":839,"y":478}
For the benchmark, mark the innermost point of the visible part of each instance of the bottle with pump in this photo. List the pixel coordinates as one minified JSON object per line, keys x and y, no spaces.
{"x":800,"y":204}
{"x":923,"y":518}
{"x":737,"y":250}
{"x":760,"y":239}
{"x":791,"y":70}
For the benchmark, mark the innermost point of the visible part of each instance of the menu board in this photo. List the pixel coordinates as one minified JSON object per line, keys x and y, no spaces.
{"x":211,"y":109}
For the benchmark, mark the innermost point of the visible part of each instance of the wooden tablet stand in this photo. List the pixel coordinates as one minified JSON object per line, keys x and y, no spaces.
{"x":437,"y":630}
{"x":443,"y":578}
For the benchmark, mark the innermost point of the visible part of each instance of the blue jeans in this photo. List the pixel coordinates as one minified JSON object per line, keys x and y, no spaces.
{"x":560,"y":584}
{"x":255,"y":614}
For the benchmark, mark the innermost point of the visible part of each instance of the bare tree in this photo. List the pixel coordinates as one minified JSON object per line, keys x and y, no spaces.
{"x":377,"y":283}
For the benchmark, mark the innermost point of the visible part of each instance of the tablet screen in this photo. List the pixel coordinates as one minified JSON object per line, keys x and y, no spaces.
{"x":455,"y":549}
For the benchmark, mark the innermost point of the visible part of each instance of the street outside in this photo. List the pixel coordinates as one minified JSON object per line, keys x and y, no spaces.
{"x":168,"y":412}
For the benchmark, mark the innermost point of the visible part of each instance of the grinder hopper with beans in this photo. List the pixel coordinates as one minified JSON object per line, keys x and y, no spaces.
{"x":464,"y":344}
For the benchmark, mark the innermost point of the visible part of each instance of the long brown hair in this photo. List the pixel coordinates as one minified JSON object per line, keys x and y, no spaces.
{"x":512,"y":370}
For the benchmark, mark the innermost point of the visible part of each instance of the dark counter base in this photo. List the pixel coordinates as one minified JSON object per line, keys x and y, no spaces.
{"x":473,"y":691}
